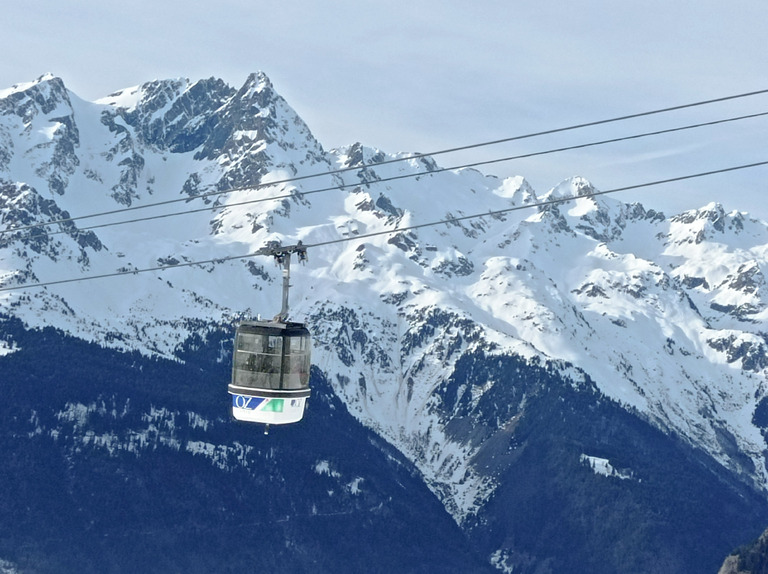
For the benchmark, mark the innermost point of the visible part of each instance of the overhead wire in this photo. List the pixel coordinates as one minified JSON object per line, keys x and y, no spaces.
{"x":394,"y":178}
{"x":449,"y":220}
{"x":408,"y":157}
{"x":539,"y":204}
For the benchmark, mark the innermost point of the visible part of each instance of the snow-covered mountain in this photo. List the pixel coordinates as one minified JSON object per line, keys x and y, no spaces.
{"x":437,"y":338}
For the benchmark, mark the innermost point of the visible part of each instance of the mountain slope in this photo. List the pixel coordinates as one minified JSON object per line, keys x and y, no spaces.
{"x":452,"y":342}
{"x":122,"y":464}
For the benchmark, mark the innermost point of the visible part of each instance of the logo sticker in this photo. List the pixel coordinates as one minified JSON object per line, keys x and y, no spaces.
{"x":258,"y":404}
{"x":244,"y":402}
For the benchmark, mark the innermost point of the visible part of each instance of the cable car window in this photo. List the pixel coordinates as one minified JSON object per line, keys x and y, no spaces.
{"x":273,"y":344}
{"x":296,"y":374}
{"x":298,"y":344}
{"x":248,"y":342}
{"x":257,"y":370}
{"x":268,"y":360}
{"x":269,"y":364}
{"x":245,"y":361}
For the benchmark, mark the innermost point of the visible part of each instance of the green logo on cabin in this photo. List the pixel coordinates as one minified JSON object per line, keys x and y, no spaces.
{"x":274,"y":405}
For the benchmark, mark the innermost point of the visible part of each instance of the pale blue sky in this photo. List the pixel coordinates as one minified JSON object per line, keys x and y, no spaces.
{"x":428,"y":75}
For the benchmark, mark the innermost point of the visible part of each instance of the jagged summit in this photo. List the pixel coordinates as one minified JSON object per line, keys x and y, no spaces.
{"x":44,"y":90}
{"x":572,"y":187}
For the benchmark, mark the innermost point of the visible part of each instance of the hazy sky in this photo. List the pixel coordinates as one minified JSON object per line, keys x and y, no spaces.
{"x":428,"y":75}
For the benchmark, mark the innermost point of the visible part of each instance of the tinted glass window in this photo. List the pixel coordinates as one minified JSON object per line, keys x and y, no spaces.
{"x":299,"y":344}
{"x":262,"y":360}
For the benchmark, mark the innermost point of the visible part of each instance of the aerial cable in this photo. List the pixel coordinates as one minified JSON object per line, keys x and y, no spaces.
{"x":401,"y":159}
{"x":266,"y":251}
{"x":399,"y":177}
{"x":587,"y":125}
{"x":538,"y":204}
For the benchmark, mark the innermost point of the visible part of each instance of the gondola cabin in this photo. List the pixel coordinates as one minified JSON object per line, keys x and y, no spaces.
{"x":270,"y":372}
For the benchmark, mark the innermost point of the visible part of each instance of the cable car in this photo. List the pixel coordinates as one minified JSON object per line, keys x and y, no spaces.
{"x":271,"y":360}
{"x":270,"y":372}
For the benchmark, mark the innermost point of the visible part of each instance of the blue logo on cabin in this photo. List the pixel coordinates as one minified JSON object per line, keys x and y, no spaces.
{"x":246,"y":402}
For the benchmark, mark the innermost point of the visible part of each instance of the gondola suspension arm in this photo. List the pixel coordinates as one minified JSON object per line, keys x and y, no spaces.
{"x":282,"y":257}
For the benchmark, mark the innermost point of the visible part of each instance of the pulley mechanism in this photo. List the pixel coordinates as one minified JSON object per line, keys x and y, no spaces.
{"x":282,"y":257}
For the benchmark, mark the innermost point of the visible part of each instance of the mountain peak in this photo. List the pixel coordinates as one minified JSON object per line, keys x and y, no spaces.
{"x":712,"y":212}
{"x":575,"y":186}
{"x":712,"y":221}
{"x":518,"y":190}
{"x":26,"y":100}
{"x":257,"y":90}
{"x":46,"y":78}
{"x":259,"y":81}
{"x":358,"y":155}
